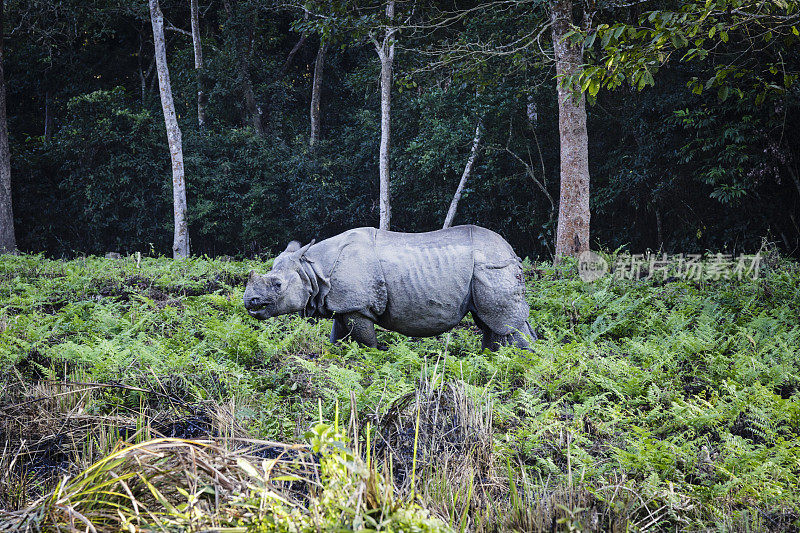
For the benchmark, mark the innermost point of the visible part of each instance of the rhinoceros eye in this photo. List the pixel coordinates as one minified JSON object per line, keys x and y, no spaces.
{"x":277,"y":284}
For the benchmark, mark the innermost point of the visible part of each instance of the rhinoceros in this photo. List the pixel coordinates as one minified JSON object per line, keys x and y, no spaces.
{"x":417,"y":284}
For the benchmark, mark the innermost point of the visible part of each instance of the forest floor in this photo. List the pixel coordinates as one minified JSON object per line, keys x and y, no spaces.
{"x":138,"y":394}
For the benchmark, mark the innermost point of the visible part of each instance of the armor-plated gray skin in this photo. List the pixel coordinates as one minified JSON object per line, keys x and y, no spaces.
{"x":418,"y":284}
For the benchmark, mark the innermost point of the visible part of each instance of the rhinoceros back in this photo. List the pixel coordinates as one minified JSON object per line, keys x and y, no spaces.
{"x":429,"y":275}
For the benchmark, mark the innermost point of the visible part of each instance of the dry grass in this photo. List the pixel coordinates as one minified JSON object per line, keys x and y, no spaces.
{"x":437,"y":443}
{"x":49,"y":430}
{"x":66,"y":470}
{"x":437,"y":426}
{"x":166,"y":484}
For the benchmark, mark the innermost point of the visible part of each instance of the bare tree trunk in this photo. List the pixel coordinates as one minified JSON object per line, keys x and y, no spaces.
{"x":141,"y":68}
{"x":659,"y":230}
{"x":251,"y":108}
{"x":539,"y":183}
{"x":386,"y":54}
{"x":572,"y":235}
{"x":180,"y":246}
{"x":795,"y":177}
{"x":48,"y":117}
{"x":144,"y":75}
{"x":386,"y":131}
{"x":296,"y":48}
{"x":8,"y":242}
{"x":198,"y":64}
{"x":316,"y":92}
{"x":293,"y":52}
{"x":473,"y":155}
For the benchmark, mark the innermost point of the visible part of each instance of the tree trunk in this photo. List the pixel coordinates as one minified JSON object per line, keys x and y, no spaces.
{"x":572,"y":236}
{"x":386,"y":55}
{"x":48,"y":117}
{"x":8,"y":242}
{"x":251,"y":108}
{"x":296,"y":48}
{"x":290,"y":58}
{"x":473,"y":155}
{"x":144,"y":76}
{"x":659,"y":230}
{"x":180,"y":246}
{"x":198,"y":64}
{"x":795,"y":177}
{"x":316,"y":90}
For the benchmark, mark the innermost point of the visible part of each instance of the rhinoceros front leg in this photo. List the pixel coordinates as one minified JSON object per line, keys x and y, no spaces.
{"x":356,"y":327}
{"x":492,"y":341}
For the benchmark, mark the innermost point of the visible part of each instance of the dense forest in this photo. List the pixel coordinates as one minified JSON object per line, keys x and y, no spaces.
{"x":692,"y":120}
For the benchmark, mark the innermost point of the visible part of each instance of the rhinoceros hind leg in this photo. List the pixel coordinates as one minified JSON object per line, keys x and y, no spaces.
{"x":519,"y":338}
{"x":356,"y":327}
{"x":491,"y":341}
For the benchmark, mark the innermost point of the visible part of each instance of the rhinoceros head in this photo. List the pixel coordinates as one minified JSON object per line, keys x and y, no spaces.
{"x":282,"y":290}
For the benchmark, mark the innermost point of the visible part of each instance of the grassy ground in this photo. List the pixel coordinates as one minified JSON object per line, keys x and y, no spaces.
{"x":645,"y":405}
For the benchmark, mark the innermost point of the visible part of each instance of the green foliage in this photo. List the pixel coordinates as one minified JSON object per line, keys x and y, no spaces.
{"x":91,"y":169}
{"x":639,"y":395}
{"x":720,"y":30}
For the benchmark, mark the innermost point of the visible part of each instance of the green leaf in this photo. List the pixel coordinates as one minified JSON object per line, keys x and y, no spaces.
{"x":249,"y":469}
{"x":606,"y":39}
{"x":649,"y":78}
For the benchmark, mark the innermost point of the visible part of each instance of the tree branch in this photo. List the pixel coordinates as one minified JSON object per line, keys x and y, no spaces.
{"x":170,"y":27}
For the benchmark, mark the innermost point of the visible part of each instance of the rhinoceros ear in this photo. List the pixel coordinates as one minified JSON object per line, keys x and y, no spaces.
{"x":299,"y":253}
{"x":292,"y":247}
